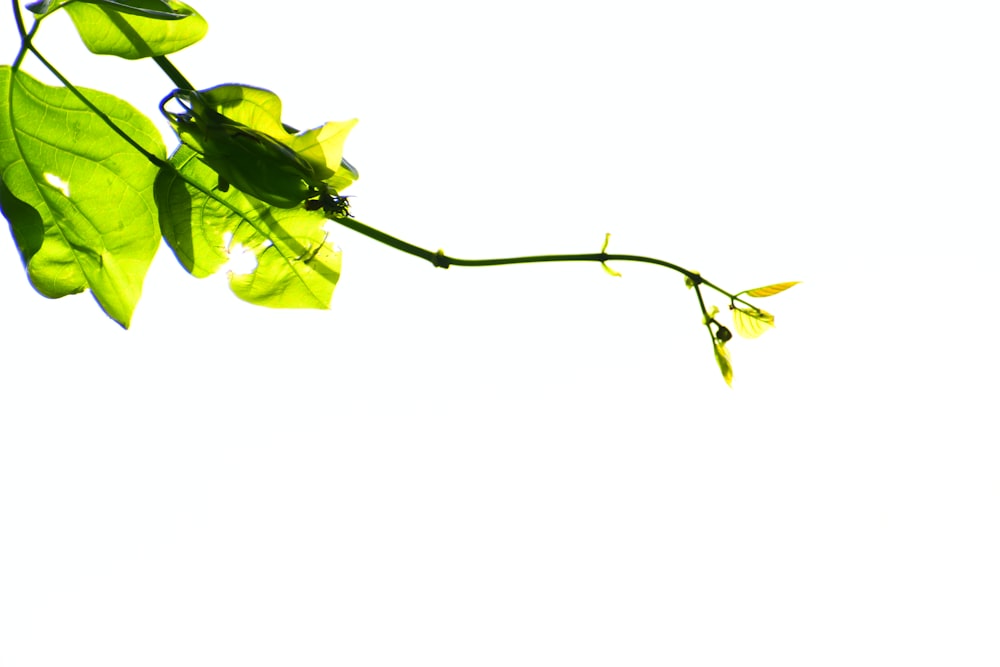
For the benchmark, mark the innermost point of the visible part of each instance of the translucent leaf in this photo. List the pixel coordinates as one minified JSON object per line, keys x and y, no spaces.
{"x":751,"y":323}
{"x":296,"y":266}
{"x":224,"y":124}
{"x":257,"y":108}
{"x":134,"y":34}
{"x":78,"y":198}
{"x":260,"y":110}
{"x":770,"y":290}
{"x":323,"y":148}
{"x":725,"y":365}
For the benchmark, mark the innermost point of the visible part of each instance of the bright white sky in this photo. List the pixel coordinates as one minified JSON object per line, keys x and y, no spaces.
{"x":541,"y":465}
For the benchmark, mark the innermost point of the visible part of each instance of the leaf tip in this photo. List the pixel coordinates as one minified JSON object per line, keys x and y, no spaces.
{"x":725,"y":363}
{"x":771,"y":290}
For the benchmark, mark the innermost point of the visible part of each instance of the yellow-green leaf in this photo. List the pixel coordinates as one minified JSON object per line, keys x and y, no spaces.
{"x":751,"y":323}
{"x":136,"y":34}
{"x":770,"y":290}
{"x":79,"y":199}
{"x":725,"y":365}
{"x":260,"y":110}
{"x":296,"y":264}
{"x":323,"y":149}
{"x":239,"y":133}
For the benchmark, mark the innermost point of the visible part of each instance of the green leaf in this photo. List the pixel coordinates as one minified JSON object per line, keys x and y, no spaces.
{"x":296,"y":265}
{"x":131,"y":32}
{"x":79,"y":199}
{"x":770,"y":290}
{"x":238,"y":132}
{"x":260,"y":110}
{"x":751,"y":323}
{"x":725,"y":364}
{"x":26,"y":223}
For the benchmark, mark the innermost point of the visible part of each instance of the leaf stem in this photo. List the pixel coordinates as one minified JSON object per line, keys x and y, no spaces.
{"x":175,"y":75}
{"x":25,"y":36}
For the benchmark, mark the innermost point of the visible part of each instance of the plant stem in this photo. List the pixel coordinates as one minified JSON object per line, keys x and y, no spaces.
{"x":25,"y":36}
{"x":175,"y":75}
{"x":443,"y":261}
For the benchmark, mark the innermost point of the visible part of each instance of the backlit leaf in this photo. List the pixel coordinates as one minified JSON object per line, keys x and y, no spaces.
{"x":238,"y":131}
{"x":770,"y":290}
{"x":61,"y":167}
{"x":751,"y":323}
{"x":725,"y":364}
{"x":296,"y":265}
{"x":135,"y":34}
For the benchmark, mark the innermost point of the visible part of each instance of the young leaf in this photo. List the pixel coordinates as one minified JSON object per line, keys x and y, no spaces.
{"x":604,"y":249}
{"x":135,"y":34}
{"x":296,"y":266}
{"x":78,"y":198}
{"x":751,"y":323}
{"x":610,"y":271}
{"x":725,"y":364}
{"x":770,"y":290}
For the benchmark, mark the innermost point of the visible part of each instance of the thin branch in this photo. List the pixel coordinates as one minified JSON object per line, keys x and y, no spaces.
{"x":443,"y":261}
{"x":175,"y":75}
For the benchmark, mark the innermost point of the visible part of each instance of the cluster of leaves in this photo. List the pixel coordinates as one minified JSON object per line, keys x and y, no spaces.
{"x":88,"y":189}
{"x":748,"y":320}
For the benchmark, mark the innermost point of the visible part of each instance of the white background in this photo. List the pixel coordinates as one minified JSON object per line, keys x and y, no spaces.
{"x":541,"y":465}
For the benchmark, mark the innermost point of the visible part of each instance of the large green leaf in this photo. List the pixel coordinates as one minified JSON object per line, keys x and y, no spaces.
{"x":79,"y":199}
{"x":296,"y":266}
{"x":131,"y":31}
